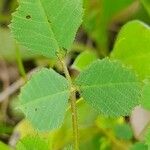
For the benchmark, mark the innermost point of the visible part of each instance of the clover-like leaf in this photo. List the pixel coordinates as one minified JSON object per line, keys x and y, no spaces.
{"x":47,"y":26}
{"x":109,"y":87}
{"x":133,"y":47}
{"x":44,"y":99}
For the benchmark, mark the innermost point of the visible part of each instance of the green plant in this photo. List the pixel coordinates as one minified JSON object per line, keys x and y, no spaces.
{"x":48,"y":28}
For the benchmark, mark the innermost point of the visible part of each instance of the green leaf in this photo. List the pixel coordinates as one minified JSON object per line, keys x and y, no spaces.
{"x":145,"y":102}
{"x":133,"y":47}
{"x":47,"y":26}
{"x":8,"y":47}
{"x":146,"y":4}
{"x":98,"y":15}
{"x":44,"y":99}
{"x":83,"y":60}
{"x":147,"y":138}
{"x":32,"y":143}
{"x":139,"y":146}
{"x":109,"y":87}
{"x":123,"y":131}
{"x":4,"y":146}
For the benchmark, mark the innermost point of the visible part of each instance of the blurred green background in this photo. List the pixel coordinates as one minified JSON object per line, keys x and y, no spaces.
{"x":95,"y":39}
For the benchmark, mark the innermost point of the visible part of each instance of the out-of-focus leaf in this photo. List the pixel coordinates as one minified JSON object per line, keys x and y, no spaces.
{"x":123,"y":131}
{"x":146,"y":4}
{"x":8,"y":47}
{"x":147,"y":138}
{"x":108,"y":123}
{"x":4,"y":146}
{"x":69,"y":147}
{"x":5,"y":129}
{"x":133,"y":47}
{"x":43,"y":105}
{"x":84,"y":59}
{"x":105,"y":144}
{"x":109,"y":87}
{"x":139,"y":146}
{"x":98,"y":15}
{"x":32,"y":143}
{"x":14,"y":103}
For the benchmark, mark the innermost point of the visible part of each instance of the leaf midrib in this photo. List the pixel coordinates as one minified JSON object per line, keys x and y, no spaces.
{"x":42,"y":7}
{"x":108,"y":85}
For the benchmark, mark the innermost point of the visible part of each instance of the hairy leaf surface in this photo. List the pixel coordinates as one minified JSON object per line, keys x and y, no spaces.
{"x":109,"y":87}
{"x":44,"y":99}
{"x":47,"y":26}
{"x":133,"y":47}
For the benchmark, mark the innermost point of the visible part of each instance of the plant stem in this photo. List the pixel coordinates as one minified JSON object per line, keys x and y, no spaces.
{"x":73,"y":105}
{"x":74,"y":120}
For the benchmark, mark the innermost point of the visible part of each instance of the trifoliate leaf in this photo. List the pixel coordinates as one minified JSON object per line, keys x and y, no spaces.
{"x":47,"y":26}
{"x":133,"y":47}
{"x":44,"y":99}
{"x":84,"y":59}
{"x":109,"y":87}
{"x":145,"y":102}
{"x":32,"y":143}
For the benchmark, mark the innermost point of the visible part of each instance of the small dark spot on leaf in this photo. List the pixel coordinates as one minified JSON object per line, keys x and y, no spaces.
{"x":28,"y":16}
{"x":49,"y":21}
{"x":36,"y":109}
